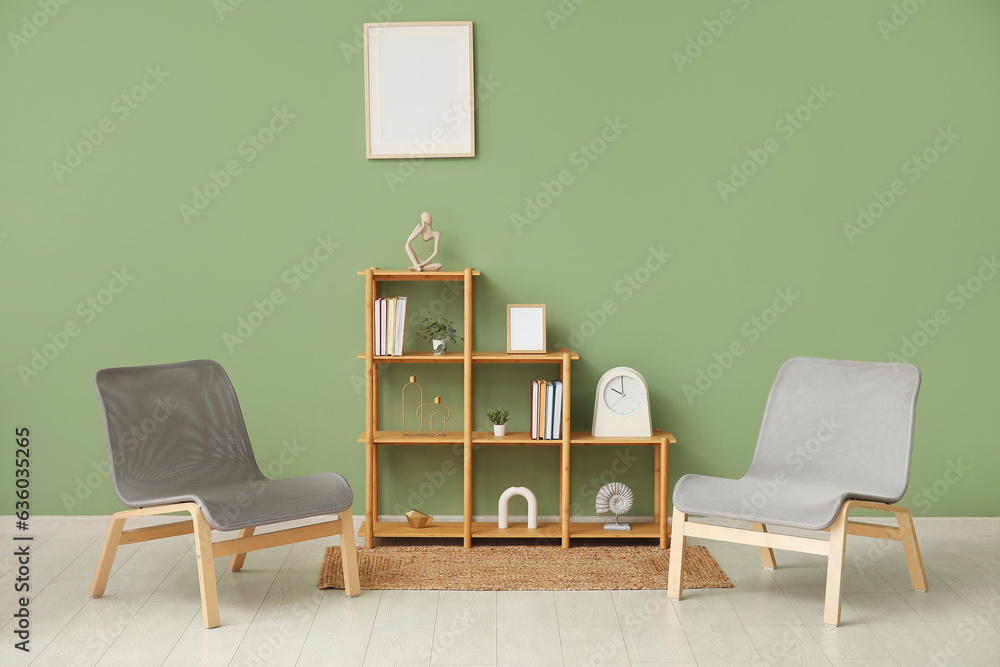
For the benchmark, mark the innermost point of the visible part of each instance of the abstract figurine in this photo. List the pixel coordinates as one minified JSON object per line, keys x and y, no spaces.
{"x":425,"y":231}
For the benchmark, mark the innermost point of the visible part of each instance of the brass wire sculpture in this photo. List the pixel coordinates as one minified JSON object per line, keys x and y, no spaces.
{"x":438,"y":417}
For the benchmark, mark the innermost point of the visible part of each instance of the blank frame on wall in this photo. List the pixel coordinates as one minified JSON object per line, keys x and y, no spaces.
{"x":419,"y":98}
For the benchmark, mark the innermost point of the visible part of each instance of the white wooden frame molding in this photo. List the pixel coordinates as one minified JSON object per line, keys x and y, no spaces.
{"x":833,"y":548}
{"x":207,"y":551}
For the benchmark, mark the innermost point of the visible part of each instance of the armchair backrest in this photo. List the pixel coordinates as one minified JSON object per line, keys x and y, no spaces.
{"x":840,"y":423}
{"x":171,"y":426}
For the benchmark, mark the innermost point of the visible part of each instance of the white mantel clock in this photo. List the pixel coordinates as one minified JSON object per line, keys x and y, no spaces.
{"x":621,"y":408}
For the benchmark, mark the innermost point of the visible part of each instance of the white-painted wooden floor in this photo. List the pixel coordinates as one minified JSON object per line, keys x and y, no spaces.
{"x":272,"y":613}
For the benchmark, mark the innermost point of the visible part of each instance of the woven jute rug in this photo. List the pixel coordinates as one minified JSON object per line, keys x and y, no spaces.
{"x":521,"y":568}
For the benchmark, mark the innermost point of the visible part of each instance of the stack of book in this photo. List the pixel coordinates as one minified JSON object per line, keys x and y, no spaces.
{"x":390,"y":326}
{"x":546,"y":409}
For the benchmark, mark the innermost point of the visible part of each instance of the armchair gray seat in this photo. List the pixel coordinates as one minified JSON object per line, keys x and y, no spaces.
{"x":177,"y":443}
{"x":836,"y":435}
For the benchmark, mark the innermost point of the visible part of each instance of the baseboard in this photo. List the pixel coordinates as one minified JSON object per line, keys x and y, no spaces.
{"x":972,"y":526}
{"x":493,"y":518}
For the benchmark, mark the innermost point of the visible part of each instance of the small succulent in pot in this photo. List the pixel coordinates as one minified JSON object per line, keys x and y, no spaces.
{"x":439,"y":331}
{"x":499,"y":418}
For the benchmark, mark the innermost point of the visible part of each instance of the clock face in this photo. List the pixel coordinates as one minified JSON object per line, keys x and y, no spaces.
{"x":623,"y":394}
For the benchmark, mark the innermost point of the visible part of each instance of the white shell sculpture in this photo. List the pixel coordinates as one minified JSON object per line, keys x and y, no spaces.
{"x":616,"y":498}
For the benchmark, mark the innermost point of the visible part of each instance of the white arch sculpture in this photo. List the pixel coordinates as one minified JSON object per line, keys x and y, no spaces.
{"x":532,"y":505}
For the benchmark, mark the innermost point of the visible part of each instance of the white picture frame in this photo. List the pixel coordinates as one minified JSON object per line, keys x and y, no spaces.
{"x":526,"y":328}
{"x":419,"y":90}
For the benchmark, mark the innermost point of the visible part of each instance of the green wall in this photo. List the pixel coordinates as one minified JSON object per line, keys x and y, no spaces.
{"x":887,"y":84}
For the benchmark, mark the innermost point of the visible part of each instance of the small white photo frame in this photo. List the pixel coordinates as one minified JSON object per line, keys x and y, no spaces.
{"x":526,"y":328}
{"x":419,"y":90}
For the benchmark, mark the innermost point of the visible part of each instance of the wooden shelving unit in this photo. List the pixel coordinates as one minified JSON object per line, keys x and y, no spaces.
{"x":373,"y":438}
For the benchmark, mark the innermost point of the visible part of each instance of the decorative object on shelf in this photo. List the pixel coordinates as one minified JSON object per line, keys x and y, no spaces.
{"x":389,"y":326}
{"x":417,"y":519}
{"x":499,"y":418}
{"x":616,"y":498}
{"x":526,"y":493}
{"x":432,"y":415}
{"x":419,"y":95}
{"x":423,"y":230}
{"x":546,"y":409}
{"x":621,"y":407}
{"x":439,"y":331}
{"x":526,"y":328}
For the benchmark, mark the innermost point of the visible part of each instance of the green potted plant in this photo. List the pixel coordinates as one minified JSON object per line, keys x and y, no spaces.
{"x":439,"y":331}
{"x":499,"y":418}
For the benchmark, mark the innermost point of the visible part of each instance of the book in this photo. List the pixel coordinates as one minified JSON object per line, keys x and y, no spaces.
{"x":557,"y":411}
{"x":383,"y":307}
{"x":377,"y":331}
{"x":550,"y":391}
{"x":534,"y":410}
{"x":390,"y":327}
{"x":541,"y":409}
{"x":400,"y":325}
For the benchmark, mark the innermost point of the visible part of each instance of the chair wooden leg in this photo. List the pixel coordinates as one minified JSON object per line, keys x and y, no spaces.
{"x":908,"y":536}
{"x":835,"y":566}
{"x":111,"y":541}
{"x":675,"y":569}
{"x":236,"y":562}
{"x":349,"y":554}
{"x":206,"y":569}
{"x":766,"y":553}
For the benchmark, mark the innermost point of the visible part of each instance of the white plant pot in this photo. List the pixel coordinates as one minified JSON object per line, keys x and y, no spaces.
{"x":439,"y":346}
{"x":499,"y":430}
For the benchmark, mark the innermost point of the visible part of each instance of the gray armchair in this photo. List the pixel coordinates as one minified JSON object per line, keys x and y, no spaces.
{"x":177,"y":443}
{"x":836,"y":436}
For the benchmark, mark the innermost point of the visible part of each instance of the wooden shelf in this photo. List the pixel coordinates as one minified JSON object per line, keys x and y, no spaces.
{"x":456,"y":438}
{"x":645,"y":530}
{"x":555,"y":532}
{"x":512,"y":438}
{"x":477,"y":357}
{"x":520,"y":358}
{"x":406,"y":275}
{"x":585,"y":438}
{"x":481,"y":529}
{"x":419,"y":358}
